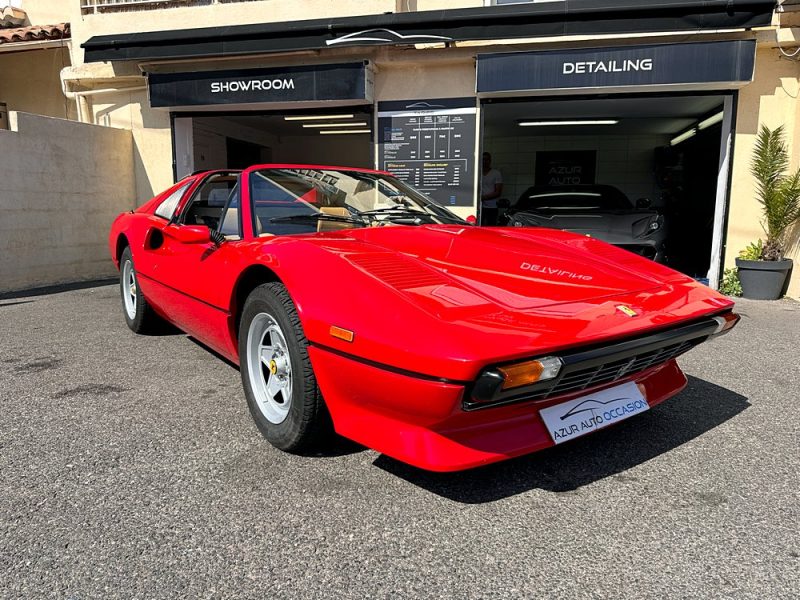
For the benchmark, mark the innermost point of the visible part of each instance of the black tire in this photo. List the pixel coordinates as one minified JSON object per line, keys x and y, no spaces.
{"x":144,"y":319}
{"x":307,"y":424}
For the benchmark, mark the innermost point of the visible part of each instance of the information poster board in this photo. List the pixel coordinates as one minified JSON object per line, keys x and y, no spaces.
{"x":430,"y":144}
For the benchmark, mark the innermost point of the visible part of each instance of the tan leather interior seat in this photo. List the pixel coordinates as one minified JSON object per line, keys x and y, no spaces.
{"x":338,"y":211}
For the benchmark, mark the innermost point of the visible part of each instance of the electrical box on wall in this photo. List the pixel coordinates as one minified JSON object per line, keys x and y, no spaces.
{"x":3,"y":115}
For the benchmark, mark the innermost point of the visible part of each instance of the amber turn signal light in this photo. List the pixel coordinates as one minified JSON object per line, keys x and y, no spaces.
{"x":342,"y":334}
{"x":530,"y":372}
{"x":725,"y":322}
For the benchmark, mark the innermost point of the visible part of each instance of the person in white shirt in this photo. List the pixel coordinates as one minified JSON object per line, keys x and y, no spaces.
{"x":491,"y":189}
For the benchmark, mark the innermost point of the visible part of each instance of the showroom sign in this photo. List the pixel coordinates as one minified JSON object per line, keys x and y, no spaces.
{"x":705,"y":65}
{"x":246,"y":85}
{"x":305,"y":83}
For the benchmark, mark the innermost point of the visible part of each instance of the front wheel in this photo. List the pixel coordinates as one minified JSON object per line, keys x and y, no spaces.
{"x":277,"y":376}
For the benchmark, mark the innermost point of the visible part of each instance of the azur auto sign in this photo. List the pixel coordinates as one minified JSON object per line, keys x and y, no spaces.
{"x":574,"y":418}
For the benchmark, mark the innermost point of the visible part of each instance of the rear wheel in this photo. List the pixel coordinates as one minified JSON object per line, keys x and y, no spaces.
{"x":139,"y":315}
{"x":277,"y":376}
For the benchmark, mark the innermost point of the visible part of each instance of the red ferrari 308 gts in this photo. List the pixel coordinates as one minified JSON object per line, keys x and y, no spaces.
{"x":353,"y":302}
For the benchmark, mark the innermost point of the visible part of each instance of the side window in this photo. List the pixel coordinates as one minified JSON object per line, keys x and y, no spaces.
{"x":208,"y":201}
{"x":167,"y":207}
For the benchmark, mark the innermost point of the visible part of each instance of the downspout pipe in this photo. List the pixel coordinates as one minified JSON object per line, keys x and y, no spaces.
{"x":81,"y":96}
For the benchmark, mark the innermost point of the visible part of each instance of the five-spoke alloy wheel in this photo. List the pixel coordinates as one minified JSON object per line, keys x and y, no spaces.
{"x":270,"y":367}
{"x":277,"y":376}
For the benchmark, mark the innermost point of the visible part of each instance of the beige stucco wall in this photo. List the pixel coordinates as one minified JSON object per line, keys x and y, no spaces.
{"x":63,"y":184}
{"x":424,"y":77}
{"x":30,"y":82}
{"x":152,"y":138}
{"x":49,"y":12}
{"x":773,"y":99}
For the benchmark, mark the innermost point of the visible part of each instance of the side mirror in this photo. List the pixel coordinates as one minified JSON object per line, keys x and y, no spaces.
{"x":188,"y":234}
{"x":643,"y":203}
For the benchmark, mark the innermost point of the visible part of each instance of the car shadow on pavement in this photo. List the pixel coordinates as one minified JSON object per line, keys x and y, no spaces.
{"x":57,"y":289}
{"x":702,"y":406}
{"x":4,"y":304}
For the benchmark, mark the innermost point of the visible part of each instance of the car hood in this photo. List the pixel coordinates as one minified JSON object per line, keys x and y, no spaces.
{"x":512,"y":268}
{"x":445,"y":300}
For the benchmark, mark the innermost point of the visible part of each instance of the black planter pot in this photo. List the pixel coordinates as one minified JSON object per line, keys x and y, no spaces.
{"x":763,"y":279}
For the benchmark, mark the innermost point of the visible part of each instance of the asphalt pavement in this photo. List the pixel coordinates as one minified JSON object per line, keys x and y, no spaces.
{"x":130,"y":468}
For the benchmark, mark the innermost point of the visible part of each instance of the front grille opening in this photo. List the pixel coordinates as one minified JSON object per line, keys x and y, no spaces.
{"x":616,"y":370}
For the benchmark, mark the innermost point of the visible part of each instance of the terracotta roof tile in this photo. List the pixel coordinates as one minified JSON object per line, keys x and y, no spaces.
{"x":11,"y":16}
{"x":34,"y":33}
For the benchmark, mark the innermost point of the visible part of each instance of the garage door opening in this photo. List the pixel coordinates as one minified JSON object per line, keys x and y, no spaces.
{"x":646,"y":173}
{"x":340,"y":136}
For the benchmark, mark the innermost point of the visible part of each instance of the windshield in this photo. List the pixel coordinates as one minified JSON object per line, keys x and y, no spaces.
{"x":287,"y":201}
{"x":573,"y":200}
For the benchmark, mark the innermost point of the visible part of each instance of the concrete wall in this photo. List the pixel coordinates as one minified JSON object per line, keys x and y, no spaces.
{"x":772,"y":100}
{"x":30,"y":82}
{"x":63,"y":183}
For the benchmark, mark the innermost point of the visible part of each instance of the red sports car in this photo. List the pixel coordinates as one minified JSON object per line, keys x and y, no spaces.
{"x":352,"y":302}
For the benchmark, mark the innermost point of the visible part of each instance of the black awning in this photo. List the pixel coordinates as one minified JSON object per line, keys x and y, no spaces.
{"x":570,"y":17}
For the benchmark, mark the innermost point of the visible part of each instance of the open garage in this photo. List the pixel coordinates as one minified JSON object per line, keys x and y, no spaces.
{"x":238,"y":140}
{"x":657,"y":154}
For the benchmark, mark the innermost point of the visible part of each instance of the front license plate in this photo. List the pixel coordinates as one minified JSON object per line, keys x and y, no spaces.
{"x":583,"y":415}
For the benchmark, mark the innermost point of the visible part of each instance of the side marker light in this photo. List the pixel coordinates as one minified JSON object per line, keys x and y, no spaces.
{"x":342,"y":334}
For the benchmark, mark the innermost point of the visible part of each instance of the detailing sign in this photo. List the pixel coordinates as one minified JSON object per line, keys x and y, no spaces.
{"x":305,"y":83}
{"x":709,"y":65}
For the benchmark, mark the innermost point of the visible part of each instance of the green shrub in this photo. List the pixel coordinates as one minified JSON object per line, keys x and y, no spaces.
{"x":731,"y":286}
{"x":753,"y":251}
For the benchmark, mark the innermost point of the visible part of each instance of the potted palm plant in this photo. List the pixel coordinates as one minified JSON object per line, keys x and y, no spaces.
{"x":763,"y":268}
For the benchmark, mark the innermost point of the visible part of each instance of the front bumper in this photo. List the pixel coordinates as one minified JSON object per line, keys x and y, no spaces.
{"x":589,"y":367}
{"x":422,"y":422}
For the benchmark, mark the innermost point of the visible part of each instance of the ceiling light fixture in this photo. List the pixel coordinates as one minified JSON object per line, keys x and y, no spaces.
{"x":343,"y":131}
{"x":712,"y":120}
{"x":684,"y":136}
{"x":320,"y":125}
{"x":562,"y":123}
{"x":316,"y":117}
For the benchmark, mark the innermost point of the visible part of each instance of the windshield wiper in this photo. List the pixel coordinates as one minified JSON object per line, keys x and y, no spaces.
{"x":388,"y":210}
{"x":304,"y":218}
